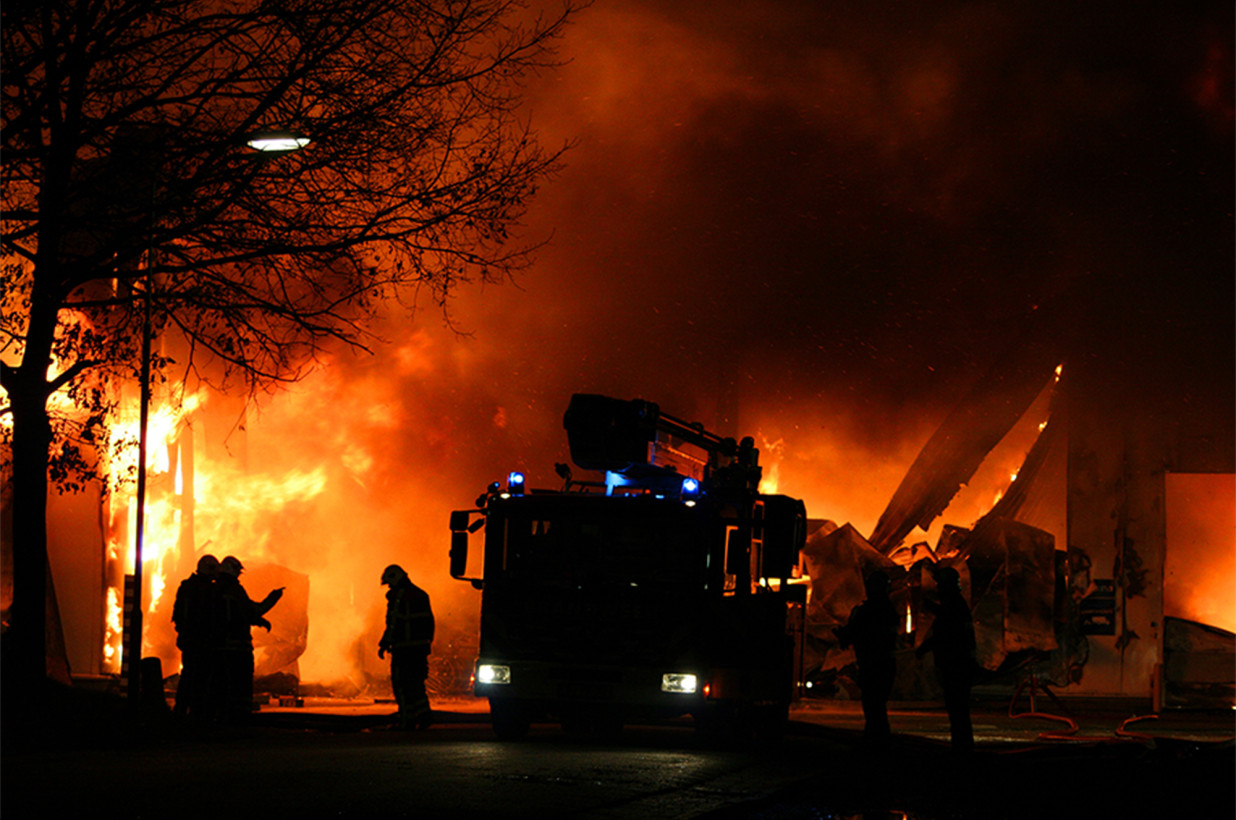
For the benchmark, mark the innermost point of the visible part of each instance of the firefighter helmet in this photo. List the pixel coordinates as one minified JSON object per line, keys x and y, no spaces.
{"x":393,"y":575}
{"x":232,"y":566}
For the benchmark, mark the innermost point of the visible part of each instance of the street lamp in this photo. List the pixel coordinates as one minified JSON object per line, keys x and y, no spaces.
{"x":267,"y":142}
{"x":278,"y":142}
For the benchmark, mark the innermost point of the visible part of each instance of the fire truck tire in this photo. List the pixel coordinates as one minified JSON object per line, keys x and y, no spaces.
{"x":741,"y":725}
{"x":574,"y":723}
{"x":768,"y":723}
{"x":592,"y":722}
{"x":607,"y":725}
{"x":510,"y":719}
{"x":718,"y":726}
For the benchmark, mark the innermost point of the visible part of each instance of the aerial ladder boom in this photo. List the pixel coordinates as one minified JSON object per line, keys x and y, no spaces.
{"x":634,"y":438}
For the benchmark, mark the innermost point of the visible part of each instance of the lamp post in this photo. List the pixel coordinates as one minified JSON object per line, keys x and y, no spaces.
{"x":265,"y":142}
{"x":134,"y":649}
{"x":276,"y":142}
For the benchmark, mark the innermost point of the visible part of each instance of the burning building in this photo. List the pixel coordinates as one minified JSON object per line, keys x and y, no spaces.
{"x":1103,"y":563}
{"x":1093,"y":552}
{"x":317,"y":502}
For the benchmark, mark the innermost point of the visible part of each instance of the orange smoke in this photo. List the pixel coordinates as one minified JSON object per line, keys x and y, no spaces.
{"x":1200,"y":567}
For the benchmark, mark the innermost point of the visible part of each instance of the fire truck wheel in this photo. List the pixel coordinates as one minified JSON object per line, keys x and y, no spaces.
{"x":768,"y":724}
{"x":717,"y":727}
{"x":739,"y":726}
{"x":607,"y":725}
{"x":510,"y":720}
{"x":574,"y":723}
{"x":596,"y":722}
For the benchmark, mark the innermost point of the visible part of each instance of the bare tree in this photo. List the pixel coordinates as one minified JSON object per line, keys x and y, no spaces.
{"x":129,"y":188}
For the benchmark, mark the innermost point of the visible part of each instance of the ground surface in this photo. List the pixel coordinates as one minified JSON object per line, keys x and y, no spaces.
{"x":77,"y":753}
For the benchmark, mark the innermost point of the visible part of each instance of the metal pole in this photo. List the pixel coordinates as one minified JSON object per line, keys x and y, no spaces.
{"x":134,"y":649}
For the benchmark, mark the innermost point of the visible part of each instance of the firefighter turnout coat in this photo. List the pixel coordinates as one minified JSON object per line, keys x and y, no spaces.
{"x":409,"y":620}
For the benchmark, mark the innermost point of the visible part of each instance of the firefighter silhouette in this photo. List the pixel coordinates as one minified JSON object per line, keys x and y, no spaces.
{"x":191,"y":616}
{"x":951,"y":642}
{"x":235,"y":615}
{"x":408,"y":638}
{"x":872,"y":631}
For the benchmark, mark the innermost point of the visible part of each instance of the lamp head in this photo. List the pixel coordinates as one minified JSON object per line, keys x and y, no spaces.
{"x":276,"y":142}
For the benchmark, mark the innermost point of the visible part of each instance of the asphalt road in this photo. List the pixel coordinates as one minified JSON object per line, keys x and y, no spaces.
{"x":452,"y":770}
{"x":87,"y":758}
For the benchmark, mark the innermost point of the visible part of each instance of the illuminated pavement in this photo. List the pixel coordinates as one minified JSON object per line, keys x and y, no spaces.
{"x":1115,"y":763}
{"x":1096,"y":722}
{"x":993,"y":725}
{"x":331,"y":758}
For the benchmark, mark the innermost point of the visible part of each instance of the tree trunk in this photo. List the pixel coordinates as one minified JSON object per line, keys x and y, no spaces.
{"x":25,"y":659}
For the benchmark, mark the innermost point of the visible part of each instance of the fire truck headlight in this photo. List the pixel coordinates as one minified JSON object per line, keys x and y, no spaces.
{"x":680,"y":683}
{"x":493,"y":673}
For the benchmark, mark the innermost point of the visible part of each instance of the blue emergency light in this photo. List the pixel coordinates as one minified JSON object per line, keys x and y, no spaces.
{"x":515,"y":483}
{"x":690,"y":488}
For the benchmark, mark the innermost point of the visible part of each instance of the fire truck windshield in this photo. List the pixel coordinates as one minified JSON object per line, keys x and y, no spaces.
{"x":568,"y":571}
{"x":631,"y":542}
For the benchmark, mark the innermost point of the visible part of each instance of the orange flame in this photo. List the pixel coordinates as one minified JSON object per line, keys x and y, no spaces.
{"x":771,"y":453}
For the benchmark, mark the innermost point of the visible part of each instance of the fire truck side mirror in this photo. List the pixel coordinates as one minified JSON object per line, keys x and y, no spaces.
{"x":785,"y":533}
{"x":459,"y":554}
{"x":459,"y":542}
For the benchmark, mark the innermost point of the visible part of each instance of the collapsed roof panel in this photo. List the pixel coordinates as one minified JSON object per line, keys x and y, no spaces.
{"x":958,"y":447}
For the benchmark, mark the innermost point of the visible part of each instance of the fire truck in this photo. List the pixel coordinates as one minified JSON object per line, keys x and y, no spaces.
{"x":661,"y":589}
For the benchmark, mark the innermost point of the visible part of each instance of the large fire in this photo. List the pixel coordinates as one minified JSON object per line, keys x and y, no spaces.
{"x":347,"y":472}
{"x":357,"y":467}
{"x":318,"y":500}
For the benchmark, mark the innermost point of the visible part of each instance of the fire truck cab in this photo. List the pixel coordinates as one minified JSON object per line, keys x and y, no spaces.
{"x":660,"y":591}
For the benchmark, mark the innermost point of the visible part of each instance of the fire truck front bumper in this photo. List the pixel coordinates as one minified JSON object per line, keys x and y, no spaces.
{"x":672,"y":691}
